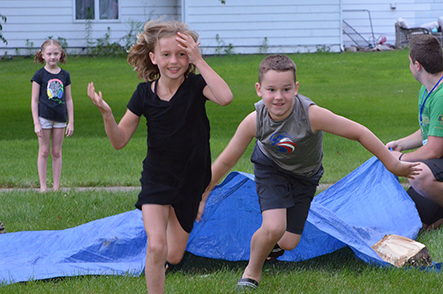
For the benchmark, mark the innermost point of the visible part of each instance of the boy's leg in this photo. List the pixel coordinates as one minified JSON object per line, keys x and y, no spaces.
{"x":56,"y":153}
{"x":289,"y":241}
{"x":427,"y":184}
{"x":264,"y":239}
{"x":155,"y":220}
{"x":42,"y":160}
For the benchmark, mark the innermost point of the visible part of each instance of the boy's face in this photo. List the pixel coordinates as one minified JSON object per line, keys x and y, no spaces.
{"x":277,"y":89}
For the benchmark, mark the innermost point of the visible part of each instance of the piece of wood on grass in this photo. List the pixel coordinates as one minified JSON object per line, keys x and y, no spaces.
{"x":401,"y":251}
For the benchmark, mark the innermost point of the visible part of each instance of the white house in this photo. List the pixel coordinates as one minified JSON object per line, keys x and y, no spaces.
{"x":235,"y":26}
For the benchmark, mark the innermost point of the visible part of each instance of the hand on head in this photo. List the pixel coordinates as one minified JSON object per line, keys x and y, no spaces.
{"x":187,"y":43}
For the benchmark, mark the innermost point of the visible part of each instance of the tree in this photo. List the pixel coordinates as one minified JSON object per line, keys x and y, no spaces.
{"x":2,"y":17}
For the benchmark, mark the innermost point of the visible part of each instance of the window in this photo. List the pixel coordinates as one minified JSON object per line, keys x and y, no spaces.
{"x":86,"y":9}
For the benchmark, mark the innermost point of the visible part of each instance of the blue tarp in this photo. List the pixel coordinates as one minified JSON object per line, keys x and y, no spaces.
{"x":357,"y":211}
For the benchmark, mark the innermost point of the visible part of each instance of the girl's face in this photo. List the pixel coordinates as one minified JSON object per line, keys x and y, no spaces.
{"x":51,"y":54}
{"x":172,"y":61}
{"x":277,"y":89}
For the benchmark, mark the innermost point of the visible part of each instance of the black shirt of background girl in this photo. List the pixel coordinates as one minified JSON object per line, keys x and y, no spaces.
{"x":52,"y":103}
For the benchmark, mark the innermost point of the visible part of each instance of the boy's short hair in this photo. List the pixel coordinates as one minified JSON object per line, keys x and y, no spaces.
{"x":278,"y":63}
{"x":426,"y":49}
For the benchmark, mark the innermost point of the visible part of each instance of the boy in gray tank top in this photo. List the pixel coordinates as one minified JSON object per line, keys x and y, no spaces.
{"x":288,"y":128}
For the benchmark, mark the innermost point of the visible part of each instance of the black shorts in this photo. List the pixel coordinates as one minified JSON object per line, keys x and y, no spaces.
{"x":436,"y":167}
{"x":185,"y":201}
{"x":429,"y":211}
{"x":180,"y":185}
{"x":278,"y":188}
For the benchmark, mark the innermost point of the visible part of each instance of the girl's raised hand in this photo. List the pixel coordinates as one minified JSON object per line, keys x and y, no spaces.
{"x":188,"y":44}
{"x":97,"y":99}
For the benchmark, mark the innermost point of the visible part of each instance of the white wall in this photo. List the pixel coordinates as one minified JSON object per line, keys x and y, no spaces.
{"x":288,"y":26}
{"x":36,"y":20}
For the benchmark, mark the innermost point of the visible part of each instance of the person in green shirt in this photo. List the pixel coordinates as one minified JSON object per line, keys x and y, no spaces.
{"x":426,"y":65}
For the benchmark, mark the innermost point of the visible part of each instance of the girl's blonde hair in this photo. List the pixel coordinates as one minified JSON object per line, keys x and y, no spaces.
{"x":146,"y":41}
{"x":38,"y":58}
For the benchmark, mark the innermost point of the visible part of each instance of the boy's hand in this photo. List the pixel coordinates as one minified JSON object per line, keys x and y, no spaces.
{"x":406,"y":169}
{"x":394,"y":145}
{"x":201,"y":207}
{"x":97,"y":99}
{"x":201,"y":210}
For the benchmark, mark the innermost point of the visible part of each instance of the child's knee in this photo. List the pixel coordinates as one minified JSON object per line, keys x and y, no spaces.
{"x":175,"y":257}
{"x":157,"y":250}
{"x":275,"y":232}
{"x":56,"y":153}
{"x":43,"y":153}
{"x":289,"y":244}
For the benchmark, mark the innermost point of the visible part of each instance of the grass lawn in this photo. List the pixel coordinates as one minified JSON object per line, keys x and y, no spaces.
{"x":374,"y":89}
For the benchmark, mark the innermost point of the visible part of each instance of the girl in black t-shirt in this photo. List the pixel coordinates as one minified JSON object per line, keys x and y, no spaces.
{"x":51,"y":106}
{"x":177,"y":167}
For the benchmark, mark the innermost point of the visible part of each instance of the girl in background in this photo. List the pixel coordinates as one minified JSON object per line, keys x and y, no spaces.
{"x":51,"y":107}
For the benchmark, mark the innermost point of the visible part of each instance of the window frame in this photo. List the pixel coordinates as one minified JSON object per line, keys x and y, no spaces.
{"x":96,"y":13}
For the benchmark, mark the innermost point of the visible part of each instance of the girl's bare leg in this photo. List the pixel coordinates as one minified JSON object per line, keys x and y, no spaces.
{"x":177,"y":239}
{"x":56,"y":153}
{"x":42,"y":159}
{"x":155,"y":219}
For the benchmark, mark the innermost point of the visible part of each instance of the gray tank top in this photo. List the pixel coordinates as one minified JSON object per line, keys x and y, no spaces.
{"x":290,"y":143}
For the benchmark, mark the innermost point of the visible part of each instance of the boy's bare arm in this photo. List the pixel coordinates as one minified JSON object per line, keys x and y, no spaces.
{"x":324,"y":120}
{"x":246,"y":131}
{"x":432,"y":149}
{"x":412,"y":141}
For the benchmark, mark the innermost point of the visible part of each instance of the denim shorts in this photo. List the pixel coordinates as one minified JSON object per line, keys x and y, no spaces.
{"x":49,"y":124}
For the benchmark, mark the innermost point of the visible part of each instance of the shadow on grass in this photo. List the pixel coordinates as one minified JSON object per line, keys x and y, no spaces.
{"x":338,"y":260}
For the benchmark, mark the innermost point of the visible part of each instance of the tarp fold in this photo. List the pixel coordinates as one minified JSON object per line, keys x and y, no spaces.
{"x":357,"y":211}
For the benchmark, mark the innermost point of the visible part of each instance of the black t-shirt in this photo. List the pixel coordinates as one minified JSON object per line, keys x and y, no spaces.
{"x":178,"y":129}
{"x":52,"y":103}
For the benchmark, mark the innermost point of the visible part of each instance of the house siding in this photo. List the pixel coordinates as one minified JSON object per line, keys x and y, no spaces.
{"x":30,"y":22}
{"x":242,"y":26}
{"x":304,"y":26}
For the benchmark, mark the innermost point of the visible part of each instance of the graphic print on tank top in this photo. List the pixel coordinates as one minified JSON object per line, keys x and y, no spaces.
{"x":283,"y":142}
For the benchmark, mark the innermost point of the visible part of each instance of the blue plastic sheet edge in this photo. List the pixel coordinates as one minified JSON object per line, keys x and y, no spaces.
{"x":357,"y":211}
